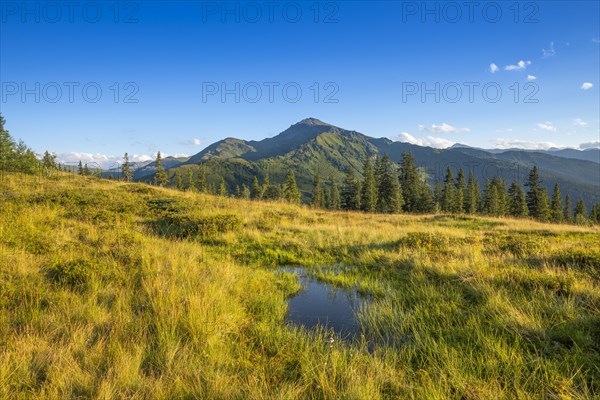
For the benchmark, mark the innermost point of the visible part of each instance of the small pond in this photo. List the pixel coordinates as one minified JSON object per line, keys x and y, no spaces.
{"x":320,"y":304}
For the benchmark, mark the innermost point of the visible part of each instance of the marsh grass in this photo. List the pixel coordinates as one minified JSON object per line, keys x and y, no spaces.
{"x":113,"y":290}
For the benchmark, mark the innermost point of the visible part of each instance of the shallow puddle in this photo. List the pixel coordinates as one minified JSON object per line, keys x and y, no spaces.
{"x":320,"y":304}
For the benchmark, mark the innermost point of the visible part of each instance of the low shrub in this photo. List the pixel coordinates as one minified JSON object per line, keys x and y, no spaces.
{"x":73,"y":273}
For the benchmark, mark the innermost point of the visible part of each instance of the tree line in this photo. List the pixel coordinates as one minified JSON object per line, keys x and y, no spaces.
{"x":385,"y":187}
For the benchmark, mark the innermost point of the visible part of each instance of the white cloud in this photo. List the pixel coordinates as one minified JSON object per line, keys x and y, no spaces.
{"x":547,"y":126}
{"x":443,"y":128}
{"x":590,"y":145}
{"x":579,"y":122}
{"x":103,"y":160}
{"x":587,"y":86}
{"x":493,"y":68}
{"x":429,"y":141}
{"x":549,"y":53}
{"x":191,"y":142}
{"x":521,"y":66}
{"x":531,"y":78}
{"x":523,"y":144}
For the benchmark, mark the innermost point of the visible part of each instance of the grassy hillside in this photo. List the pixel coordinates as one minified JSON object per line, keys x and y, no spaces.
{"x":113,"y":290}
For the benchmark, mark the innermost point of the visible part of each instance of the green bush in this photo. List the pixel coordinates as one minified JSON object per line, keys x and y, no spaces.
{"x":585,"y":259}
{"x":425,"y":241}
{"x":521,"y":246}
{"x":73,"y":273}
{"x":186,"y":226}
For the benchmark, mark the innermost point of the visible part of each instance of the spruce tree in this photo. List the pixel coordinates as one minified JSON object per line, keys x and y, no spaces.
{"x":318,"y":194}
{"x":161,"y":176}
{"x":501,"y":196}
{"x":86,"y":170}
{"x":568,"y":211}
{"x":543,"y":206}
{"x":290,"y":190}
{"x":334,"y":197}
{"x":368,"y":198}
{"x":80,"y":168}
{"x":127,"y":173}
{"x":556,"y":208}
{"x":255,"y":192}
{"x":202,"y":182}
{"x":350,"y":197}
{"x":410,"y":181}
{"x":222,"y":188}
{"x":49,"y":160}
{"x":533,"y":194}
{"x":517,"y":201}
{"x":438,"y":196}
{"x":179,"y":180}
{"x":595,"y":214}
{"x":191,"y":185}
{"x":377,"y":172}
{"x":448,"y":192}
{"x":245,"y":192}
{"x":461,"y":188}
{"x":389,"y":197}
{"x":472,"y":194}
{"x":580,"y":213}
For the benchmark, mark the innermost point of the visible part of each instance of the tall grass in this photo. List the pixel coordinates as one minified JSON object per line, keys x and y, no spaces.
{"x":113,"y":290}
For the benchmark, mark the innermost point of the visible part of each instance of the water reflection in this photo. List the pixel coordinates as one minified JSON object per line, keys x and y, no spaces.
{"x":321,"y":304}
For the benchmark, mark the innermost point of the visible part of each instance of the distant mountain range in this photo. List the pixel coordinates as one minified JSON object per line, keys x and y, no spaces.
{"x":312,"y":146}
{"x":587,"y":154}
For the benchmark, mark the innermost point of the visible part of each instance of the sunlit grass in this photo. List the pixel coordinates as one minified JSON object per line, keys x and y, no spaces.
{"x":114,"y":290}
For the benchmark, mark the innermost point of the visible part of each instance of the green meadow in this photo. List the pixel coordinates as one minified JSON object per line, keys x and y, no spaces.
{"x":115,"y":290}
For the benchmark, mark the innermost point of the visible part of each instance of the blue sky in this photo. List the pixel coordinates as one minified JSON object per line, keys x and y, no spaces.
{"x":162,"y":67}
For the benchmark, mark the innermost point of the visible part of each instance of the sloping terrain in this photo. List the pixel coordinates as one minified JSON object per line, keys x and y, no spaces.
{"x":114,"y":290}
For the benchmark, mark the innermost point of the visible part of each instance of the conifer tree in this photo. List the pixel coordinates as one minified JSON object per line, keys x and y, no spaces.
{"x":568,"y":211}
{"x":595,"y":214}
{"x":459,"y":200}
{"x":389,"y":197}
{"x":501,"y":196}
{"x":377,"y":172}
{"x":15,"y":156}
{"x":533,"y":194}
{"x":351,"y":192}
{"x":334,"y":197}
{"x":222,"y":187}
{"x":161,"y":176}
{"x":255,"y":192}
{"x":179,"y":181}
{"x":368,"y":198}
{"x":290,"y":190}
{"x":318,"y":194}
{"x":556,"y":208}
{"x":80,"y":168}
{"x":472,"y":194}
{"x":49,"y":160}
{"x":543,"y":207}
{"x":410,"y":182}
{"x":580,"y":213}
{"x":191,"y":185}
{"x":86,"y":170}
{"x":245,"y":192}
{"x":517,"y":202}
{"x":438,"y":195}
{"x":127,"y":173}
{"x":202,"y":182}
{"x":448,"y":192}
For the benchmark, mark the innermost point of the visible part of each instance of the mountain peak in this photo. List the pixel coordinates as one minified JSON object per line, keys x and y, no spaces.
{"x":312,"y":122}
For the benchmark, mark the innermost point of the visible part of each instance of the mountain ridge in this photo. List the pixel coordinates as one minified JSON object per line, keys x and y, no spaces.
{"x":312,"y":146}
